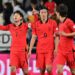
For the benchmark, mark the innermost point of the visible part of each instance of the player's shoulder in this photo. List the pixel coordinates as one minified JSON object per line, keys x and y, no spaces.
{"x":68,"y":20}
{"x":51,"y":21}
{"x":38,"y":22}
{"x":24,"y":23}
{"x":10,"y":25}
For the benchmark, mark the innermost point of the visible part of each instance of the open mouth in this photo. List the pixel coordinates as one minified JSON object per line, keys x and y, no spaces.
{"x":16,"y":21}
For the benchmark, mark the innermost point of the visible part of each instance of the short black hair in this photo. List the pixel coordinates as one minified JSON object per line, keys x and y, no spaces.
{"x":42,"y":7}
{"x":62,"y":9}
{"x":19,"y":13}
{"x":34,"y":2}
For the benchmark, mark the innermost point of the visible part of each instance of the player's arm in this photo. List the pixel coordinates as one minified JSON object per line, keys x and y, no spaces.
{"x":56,"y":29}
{"x":67,"y":34}
{"x":32,"y":42}
{"x":33,"y":39}
{"x":56,"y":45}
{"x":5,"y":28}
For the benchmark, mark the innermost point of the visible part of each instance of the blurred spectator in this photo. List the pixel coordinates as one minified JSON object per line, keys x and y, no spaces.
{"x":8,"y":9}
{"x":26,"y":4}
{"x":41,"y":2}
{"x":51,"y":7}
{"x":6,"y":1}
{"x":19,"y":6}
{"x":17,"y":3}
{"x":33,"y":11}
{"x":50,"y":4}
{"x":32,"y":14}
{"x":1,"y":14}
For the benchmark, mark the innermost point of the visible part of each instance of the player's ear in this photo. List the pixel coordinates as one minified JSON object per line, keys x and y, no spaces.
{"x":21,"y":20}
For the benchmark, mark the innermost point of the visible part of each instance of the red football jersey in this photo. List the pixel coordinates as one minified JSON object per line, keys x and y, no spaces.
{"x":66,"y":43}
{"x":18,"y":35}
{"x":45,"y":34}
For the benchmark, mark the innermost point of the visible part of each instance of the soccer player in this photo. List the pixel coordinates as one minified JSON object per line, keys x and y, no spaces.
{"x":65,"y":54}
{"x":44,"y":30}
{"x":18,"y":49}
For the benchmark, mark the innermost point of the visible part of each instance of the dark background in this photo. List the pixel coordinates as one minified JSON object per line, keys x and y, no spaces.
{"x":71,"y":7}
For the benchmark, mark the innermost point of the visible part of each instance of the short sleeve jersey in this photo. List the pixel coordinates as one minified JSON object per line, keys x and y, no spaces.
{"x":45,"y":34}
{"x":18,"y":35}
{"x":66,"y":43}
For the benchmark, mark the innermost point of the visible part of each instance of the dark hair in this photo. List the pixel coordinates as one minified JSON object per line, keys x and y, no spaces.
{"x":18,"y":13}
{"x":34,"y":2}
{"x":62,"y":9}
{"x":45,"y":1}
{"x":42,"y":7}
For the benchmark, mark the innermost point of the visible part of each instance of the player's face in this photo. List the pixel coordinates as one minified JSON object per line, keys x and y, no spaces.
{"x":17,"y":17}
{"x":43,"y":13}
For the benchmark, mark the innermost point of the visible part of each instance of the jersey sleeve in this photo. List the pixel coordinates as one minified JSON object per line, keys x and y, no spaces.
{"x":71,"y":25}
{"x":5,"y":28}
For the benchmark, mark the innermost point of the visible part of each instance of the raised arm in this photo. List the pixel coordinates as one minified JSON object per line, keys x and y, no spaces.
{"x":5,"y":28}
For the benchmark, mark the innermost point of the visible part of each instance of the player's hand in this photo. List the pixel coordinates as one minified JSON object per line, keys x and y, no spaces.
{"x":57,"y":33}
{"x":27,"y":47}
{"x":29,"y":54}
{"x":62,"y":33}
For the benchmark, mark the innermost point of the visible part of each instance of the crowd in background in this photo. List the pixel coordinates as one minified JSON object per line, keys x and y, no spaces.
{"x":28,"y":8}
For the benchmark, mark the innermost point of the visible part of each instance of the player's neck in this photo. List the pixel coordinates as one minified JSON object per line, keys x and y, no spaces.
{"x":62,"y":19}
{"x":44,"y":20}
{"x":18,"y":24}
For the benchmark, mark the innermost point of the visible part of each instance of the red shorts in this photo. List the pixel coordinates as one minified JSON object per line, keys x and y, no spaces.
{"x":43,"y":59}
{"x":19,"y":59}
{"x":68,"y":58}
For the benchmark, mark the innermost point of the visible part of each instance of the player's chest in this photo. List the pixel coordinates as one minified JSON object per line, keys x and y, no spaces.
{"x":18,"y":31}
{"x":64,"y":27}
{"x":43,"y":28}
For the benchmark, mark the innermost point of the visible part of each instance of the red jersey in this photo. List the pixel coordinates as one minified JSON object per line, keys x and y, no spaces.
{"x":66,"y":43}
{"x":45,"y":34}
{"x":18,"y":35}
